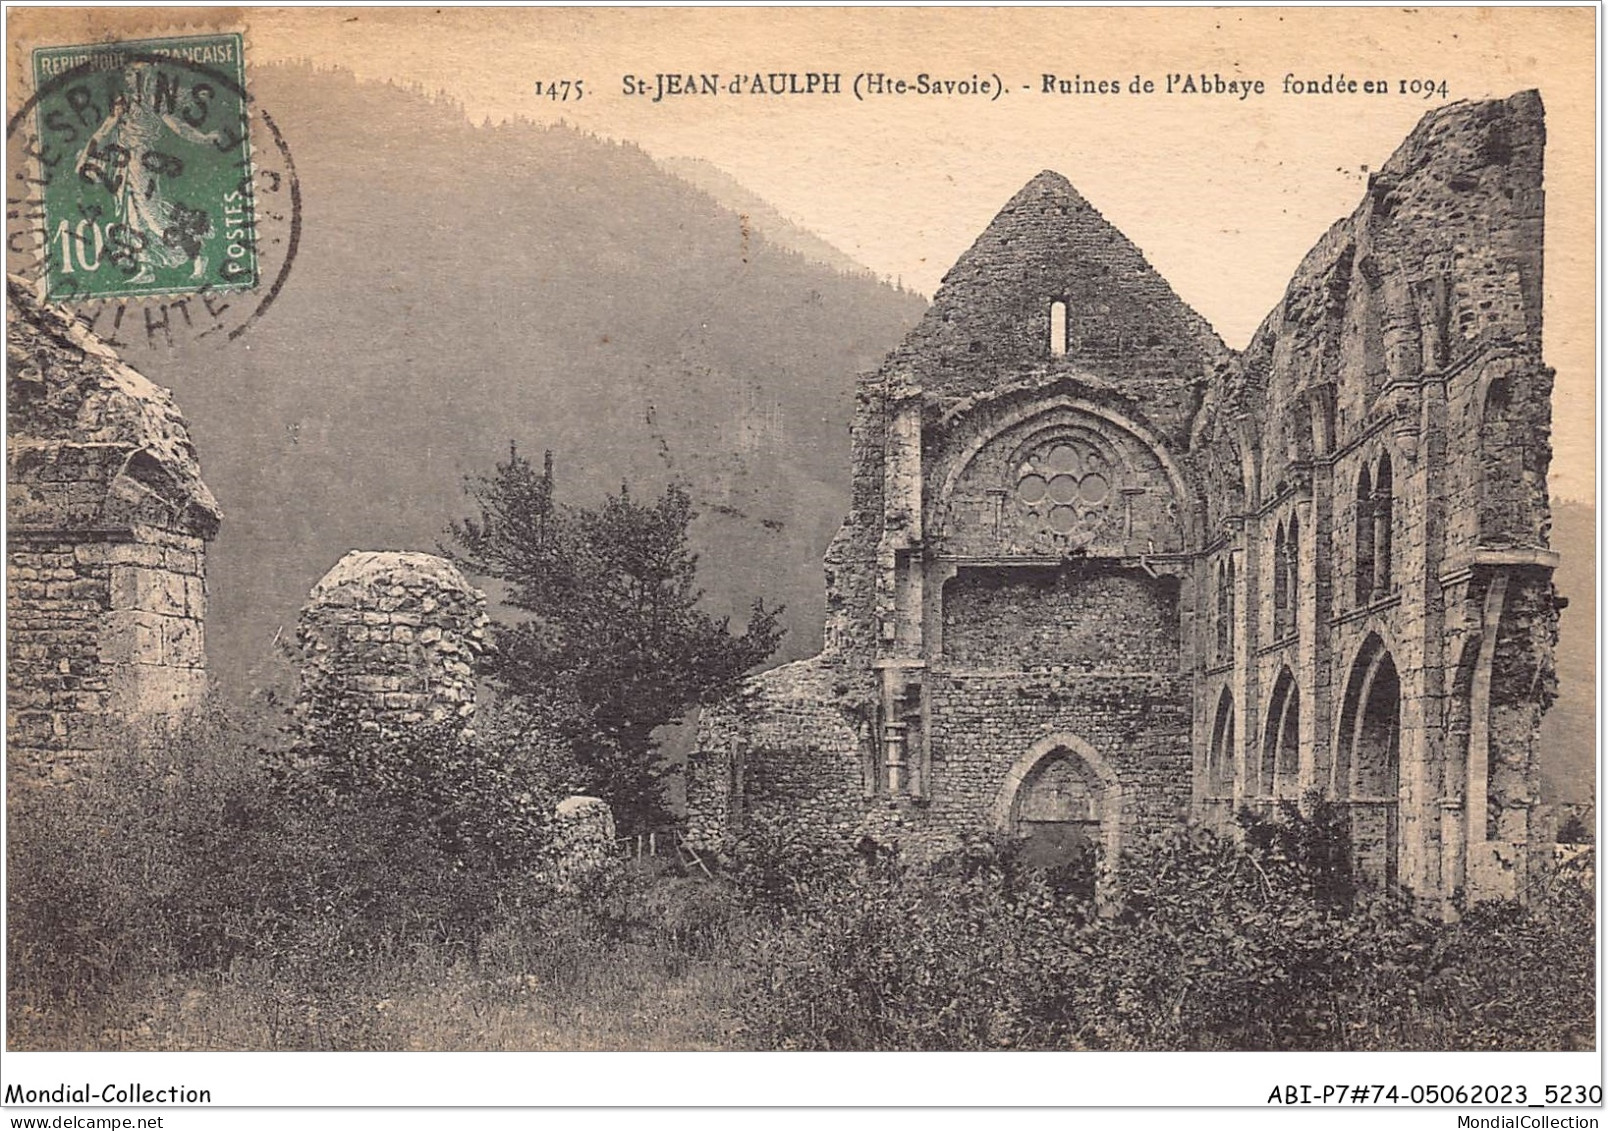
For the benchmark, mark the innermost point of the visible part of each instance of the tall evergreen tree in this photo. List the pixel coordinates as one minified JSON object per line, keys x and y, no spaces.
{"x":615,"y":645}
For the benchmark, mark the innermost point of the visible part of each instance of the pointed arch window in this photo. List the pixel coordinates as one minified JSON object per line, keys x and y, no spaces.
{"x":1220,"y":640}
{"x":1281,"y":584}
{"x":1220,"y":758}
{"x":1383,"y":517}
{"x":1364,"y":538}
{"x":1367,"y":769}
{"x":1223,"y":643}
{"x":1503,"y":496}
{"x":1228,"y":589}
{"x":1281,"y":740}
{"x":1292,"y":584}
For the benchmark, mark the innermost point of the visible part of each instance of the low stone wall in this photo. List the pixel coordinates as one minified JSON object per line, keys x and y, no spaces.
{"x":783,"y":746}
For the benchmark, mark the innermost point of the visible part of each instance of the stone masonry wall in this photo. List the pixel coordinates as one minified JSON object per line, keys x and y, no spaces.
{"x":1408,"y":337}
{"x":583,"y":837}
{"x":783,"y":749}
{"x":983,"y":722}
{"x":1083,"y":620}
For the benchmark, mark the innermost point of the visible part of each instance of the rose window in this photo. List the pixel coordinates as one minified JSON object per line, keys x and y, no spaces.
{"x":1068,"y":486}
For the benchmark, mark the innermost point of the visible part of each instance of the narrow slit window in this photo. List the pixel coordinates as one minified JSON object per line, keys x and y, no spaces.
{"x":1230,"y":633}
{"x":1057,"y":329}
{"x":1365,"y":538}
{"x":1383,"y":518}
{"x":1281,"y":584}
{"x":1292,"y":588}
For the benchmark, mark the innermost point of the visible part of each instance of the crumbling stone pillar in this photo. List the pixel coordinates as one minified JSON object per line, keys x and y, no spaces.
{"x":390,"y":639}
{"x":583,"y":836}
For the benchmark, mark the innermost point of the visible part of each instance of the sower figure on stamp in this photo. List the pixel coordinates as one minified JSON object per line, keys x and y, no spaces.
{"x":151,"y":230}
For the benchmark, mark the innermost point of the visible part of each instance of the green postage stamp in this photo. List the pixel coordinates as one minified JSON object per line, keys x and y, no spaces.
{"x":145,"y":164}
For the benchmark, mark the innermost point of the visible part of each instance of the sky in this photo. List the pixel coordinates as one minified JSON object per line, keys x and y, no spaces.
{"x":1224,"y":194}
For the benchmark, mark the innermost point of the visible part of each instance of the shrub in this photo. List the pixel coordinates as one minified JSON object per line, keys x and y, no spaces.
{"x":186,"y":849}
{"x":1216,"y":943}
{"x":776,"y":868}
{"x":473,"y":796}
{"x":1508,"y":976}
{"x":1573,"y":830}
{"x":892,"y":959}
{"x":114,"y":876}
{"x":1315,"y":840}
{"x":1076,"y":877}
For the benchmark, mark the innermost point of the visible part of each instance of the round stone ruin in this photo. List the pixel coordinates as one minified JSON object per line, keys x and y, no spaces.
{"x":390,"y":639}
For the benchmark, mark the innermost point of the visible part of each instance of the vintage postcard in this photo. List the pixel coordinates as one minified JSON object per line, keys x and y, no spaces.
{"x":770,"y":530}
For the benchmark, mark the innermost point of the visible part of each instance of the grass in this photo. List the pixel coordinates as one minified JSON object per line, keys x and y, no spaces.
{"x":578,"y":977}
{"x":569,"y":995}
{"x":182,"y":899}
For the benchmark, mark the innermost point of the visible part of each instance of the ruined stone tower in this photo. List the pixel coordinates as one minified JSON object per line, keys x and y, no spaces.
{"x":389,"y":639}
{"x":107,"y":521}
{"x":1103,"y":575}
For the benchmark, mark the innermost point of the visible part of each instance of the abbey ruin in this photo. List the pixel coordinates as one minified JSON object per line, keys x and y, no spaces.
{"x":1103,"y":575}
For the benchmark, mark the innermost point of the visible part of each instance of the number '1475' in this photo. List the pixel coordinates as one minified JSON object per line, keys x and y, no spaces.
{"x":561,"y":90}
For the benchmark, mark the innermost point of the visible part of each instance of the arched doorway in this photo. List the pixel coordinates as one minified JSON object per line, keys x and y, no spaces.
{"x":1063,"y":802}
{"x":1058,"y":811}
{"x":1369,"y":767}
